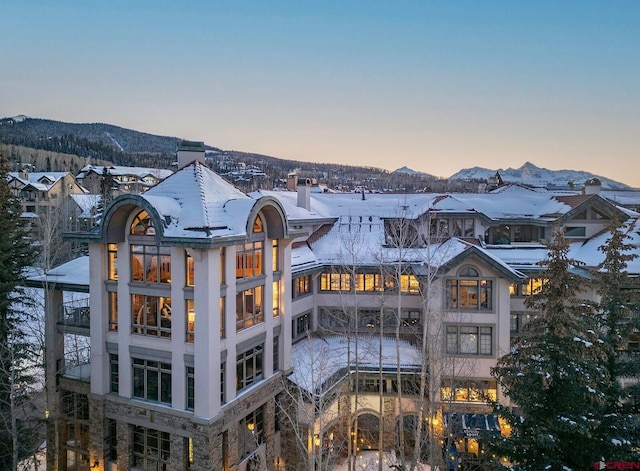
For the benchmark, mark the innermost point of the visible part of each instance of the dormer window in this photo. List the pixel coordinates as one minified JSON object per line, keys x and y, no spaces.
{"x":142,"y":224}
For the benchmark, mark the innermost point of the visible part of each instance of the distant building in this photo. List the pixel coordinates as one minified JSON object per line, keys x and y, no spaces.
{"x":125,"y":179}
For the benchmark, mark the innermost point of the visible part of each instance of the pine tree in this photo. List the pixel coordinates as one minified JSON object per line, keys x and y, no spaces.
{"x":556,"y":377}
{"x":15,"y":349}
{"x":618,"y":318}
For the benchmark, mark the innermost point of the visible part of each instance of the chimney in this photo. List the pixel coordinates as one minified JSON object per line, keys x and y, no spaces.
{"x":592,"y":186}
{"x":304,"y":193}
{"x":189,"y":151}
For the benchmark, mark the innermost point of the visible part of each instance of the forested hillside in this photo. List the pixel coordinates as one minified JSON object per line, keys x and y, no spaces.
{"x":48,"y":145}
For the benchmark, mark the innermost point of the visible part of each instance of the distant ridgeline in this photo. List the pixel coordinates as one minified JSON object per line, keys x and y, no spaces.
{"x":47,"y":145}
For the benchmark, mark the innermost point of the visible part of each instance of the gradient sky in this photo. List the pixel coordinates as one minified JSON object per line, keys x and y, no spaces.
{"x":434,"y":85}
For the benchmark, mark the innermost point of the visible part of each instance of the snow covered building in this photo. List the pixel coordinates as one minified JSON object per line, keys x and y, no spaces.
{"x":39,"y":191}
{"x":123,"y":179}
{"x":204,"y":298}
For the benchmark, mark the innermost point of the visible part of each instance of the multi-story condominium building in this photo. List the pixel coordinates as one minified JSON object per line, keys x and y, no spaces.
{"x":216,"y":317}
{"x":122,"y":179}
{"x":39,"y":191}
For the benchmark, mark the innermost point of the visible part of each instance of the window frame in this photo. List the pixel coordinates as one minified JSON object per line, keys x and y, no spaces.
{"x":457,"y":345}
{"x":249,"y":367}
{"x":156,"y":380}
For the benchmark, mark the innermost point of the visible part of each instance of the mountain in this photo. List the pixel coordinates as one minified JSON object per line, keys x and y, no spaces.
{"x":529,"y":174}
{"x":48,"y":145}
{"x":407,"y":171}
{"x":68,"y":146}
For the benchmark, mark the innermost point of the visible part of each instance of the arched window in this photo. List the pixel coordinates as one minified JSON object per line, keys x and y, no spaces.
{"x":142,"y":224}
{"x":257,"y":225}
{"x":468,"y":272}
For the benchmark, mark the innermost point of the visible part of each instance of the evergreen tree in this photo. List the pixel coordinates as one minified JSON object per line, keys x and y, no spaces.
{"x":556,"y":377}
{"x":15,"y":349}
{"x":619,"y":320}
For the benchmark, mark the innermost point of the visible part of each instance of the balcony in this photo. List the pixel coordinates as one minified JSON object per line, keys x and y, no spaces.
{"x":75,"y":316}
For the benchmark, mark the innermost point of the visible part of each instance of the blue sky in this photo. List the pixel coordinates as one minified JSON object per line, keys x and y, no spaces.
{"x":437,"y":86}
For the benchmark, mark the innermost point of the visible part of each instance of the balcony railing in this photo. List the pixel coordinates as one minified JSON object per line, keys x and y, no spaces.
{"x":75,"y":313}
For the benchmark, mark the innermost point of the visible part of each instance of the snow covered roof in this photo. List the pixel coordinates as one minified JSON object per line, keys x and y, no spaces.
{"x":39,"y":180}
{"x":511,"y":202}
{"x":200,"y":203}
{"x":120,"y":171}
{"x":315,"y":360}
{"x":86,"y":203}
{"x":73,"y":275}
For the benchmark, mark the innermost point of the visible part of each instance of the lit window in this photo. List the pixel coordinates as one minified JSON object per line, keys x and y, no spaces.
{"x":150,"y":264}
{"x":469,"y":293}
{"x":151,"y":315}
{"x":275,"y":253}
{"x":465,"y":390}
{"x":191,"y":320}
{"x":251,"y":433}
{"x":249,"y":307}
{"x":276,"y":298}
{"x":335,"y":282}
{"x":112,"y":258}
{"x":257,"y":225}
{"x":190,"y":270}
{"x":249,"y":259}
{"x":142,"y":224}
{"x":301,"y":285}
{"x":409,"y":284}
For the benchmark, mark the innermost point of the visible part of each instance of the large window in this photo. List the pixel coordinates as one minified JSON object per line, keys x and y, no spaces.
{"x":152,"y":380}
{"x":151,"y":315}
{"x":249,"y":307}
{"x":368,"y":282}
{"x":468,"y":390}
{"x":75,"y":430}
{"x":469,"y":291}
{"x":151,"y":449}
{"x":249,"y":259}
{"x":335,"y":282}
{"x":249,"y":367}
{"x":469,"y":340}
{"x":150,"y":264}
{"x":409,"y":284}
{"x":301,"y":286}
{"x":251,"y":432}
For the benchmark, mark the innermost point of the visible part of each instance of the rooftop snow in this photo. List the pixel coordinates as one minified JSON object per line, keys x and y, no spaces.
{"x":200,"y":203}
{"x":315,"y":360}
